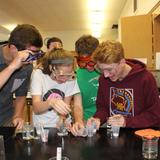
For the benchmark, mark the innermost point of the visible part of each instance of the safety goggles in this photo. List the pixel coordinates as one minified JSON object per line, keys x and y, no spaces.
{"x":85,"y":62}
{"x":59,"y":74}
{"x":109,"y":69}
{"x":35,"y":56}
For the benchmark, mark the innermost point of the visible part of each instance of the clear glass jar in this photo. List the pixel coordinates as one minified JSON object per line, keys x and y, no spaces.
{"x":150,"y":147}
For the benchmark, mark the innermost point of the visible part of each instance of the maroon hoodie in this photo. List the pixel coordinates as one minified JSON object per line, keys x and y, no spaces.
{"x":135,"y":97}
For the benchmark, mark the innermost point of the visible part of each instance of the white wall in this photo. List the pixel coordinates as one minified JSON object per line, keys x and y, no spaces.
{"x":69,"y":37}
{"x":143,"y":7}
{"x":3,"y":37}
{"x":4,"y":34}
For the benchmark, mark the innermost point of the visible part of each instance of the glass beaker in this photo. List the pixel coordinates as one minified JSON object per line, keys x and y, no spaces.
{"x":28,"y":131}
{"x":150,"y":147}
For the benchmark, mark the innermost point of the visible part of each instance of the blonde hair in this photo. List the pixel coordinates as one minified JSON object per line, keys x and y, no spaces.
{"x":60,"y":56}
{"x":108,"y":52}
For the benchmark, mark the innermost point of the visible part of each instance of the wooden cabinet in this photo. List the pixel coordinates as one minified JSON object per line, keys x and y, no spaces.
{"x":156,"y":34}
{"x":137,"y":37}
{"x":140,"y":36}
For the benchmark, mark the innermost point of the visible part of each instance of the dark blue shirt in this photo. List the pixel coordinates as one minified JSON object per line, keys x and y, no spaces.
{"x":18,"y":83}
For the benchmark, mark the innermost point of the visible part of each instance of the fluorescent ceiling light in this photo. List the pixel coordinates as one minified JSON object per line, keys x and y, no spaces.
{"x":96,"y":26}
{"x":96,"y":34}
{"x":96,"y":4}
{"x":97,"y":17}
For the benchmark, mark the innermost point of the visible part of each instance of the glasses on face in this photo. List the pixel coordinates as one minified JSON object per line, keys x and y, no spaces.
{"x":85,"y":61}
{"x":61,"y":75}
{"x":109,"y":69}
{"x":35,"y":56}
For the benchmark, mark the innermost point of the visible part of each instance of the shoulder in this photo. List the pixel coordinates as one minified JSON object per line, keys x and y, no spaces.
{"x":102,"y":78}
{"x":147,"y":75}
{"x":37,"y":71}
{"x":72,"y":83}
{"x":24,"y":70}
{"x":82,"y":71}
{"x":147,"y":79}
{"x":150,"y":77}
{"x":27,"y":68}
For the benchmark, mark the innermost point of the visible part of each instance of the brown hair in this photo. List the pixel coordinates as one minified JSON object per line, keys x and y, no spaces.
{"x":57,"y":55}
{"x":108,"y":52}
{"x":86,"y":44}
{"x":25,"y":35}
{"x":53,"y":39}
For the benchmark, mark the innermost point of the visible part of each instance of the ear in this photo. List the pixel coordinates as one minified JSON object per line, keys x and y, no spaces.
{"x":123,"y":61}
{"x":13,"y":48}
{"x":50,"y":67}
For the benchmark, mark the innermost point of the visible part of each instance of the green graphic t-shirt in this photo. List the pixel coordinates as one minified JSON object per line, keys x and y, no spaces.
{"x":88,"y":84}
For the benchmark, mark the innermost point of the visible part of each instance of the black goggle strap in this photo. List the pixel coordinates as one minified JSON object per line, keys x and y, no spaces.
{"x":62,"y":61}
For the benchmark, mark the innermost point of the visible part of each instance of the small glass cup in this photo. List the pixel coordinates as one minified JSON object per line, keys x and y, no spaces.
{"x":83,"y":132}
{"x":28,"y":131}
{"x":44,"y":135}
{"x":62,"y":128}
{"x":109,"y":131}
{"x":38,"y":129}
{"x":150,"y":147}
{"x":90,"y":130}
{"x":115,"y":131}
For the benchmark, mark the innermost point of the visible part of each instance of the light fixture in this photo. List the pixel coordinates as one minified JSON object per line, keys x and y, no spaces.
{"x":96,"y":16}
{"x":96,"y":34}
{"x":96,"y":4}
{"x":96,"y":26}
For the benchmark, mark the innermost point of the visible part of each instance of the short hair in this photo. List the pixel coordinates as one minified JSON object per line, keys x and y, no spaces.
{"x":108,"y":52}
{"x":57,"y":54}
{"x":25,"y":35}
{"x":86,"y":44}
{"x":53,"y":39}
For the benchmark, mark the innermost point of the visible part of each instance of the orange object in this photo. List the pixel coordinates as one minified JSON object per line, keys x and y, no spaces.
{"x":148,"y":133}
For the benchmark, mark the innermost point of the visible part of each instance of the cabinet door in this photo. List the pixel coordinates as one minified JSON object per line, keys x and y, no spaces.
{"x":137,"y":37}
{"x":156,"y":33}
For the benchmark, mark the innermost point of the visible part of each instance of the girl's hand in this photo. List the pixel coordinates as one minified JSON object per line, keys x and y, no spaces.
{"x":59,"y":106}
